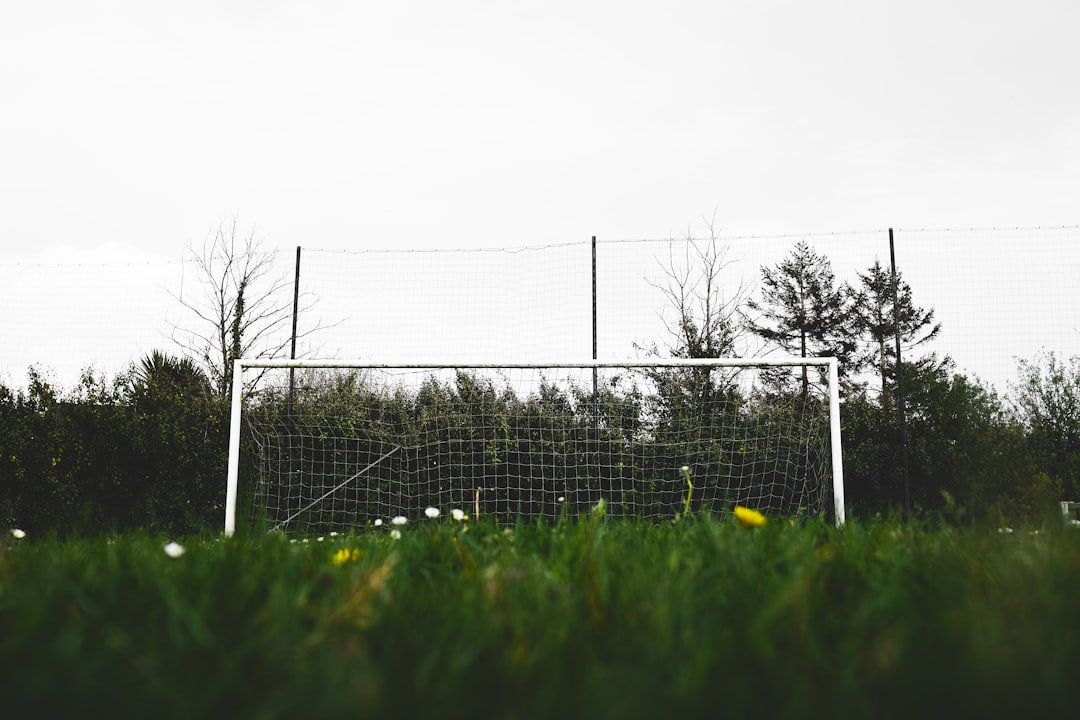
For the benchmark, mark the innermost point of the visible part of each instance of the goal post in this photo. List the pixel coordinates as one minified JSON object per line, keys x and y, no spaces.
{"x":319,"y":445}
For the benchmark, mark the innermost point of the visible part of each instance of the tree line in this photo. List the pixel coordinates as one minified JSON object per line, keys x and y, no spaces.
{"x":147,"y":448}
{"x":969,"y":451}
{"x":144,"y":449}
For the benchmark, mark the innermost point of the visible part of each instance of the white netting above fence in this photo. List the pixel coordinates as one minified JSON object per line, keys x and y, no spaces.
{"x":999,"y":294}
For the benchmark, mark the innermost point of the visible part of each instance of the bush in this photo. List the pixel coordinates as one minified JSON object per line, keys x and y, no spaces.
{"x":1046,"y":400}
{"x":147,"y":449}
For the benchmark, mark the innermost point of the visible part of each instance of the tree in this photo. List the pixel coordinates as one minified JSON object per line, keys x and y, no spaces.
{"x":695,"y":404}
{"x":967,"y":457}
{"x":1046,"y":400}
{"x":874,"y":314}
{"x":802,"y":310}
{"x":240,"y":304}
{"x":706,"y":320}
{"x":179,"y":438}
{"x":705,"y":323}
{"x":965,"y":446}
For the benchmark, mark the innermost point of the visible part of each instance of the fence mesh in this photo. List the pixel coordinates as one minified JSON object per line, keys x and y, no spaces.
{"x":999,"y":294}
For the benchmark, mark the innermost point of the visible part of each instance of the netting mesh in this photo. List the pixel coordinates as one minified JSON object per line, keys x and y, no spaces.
{"x":345,"y":447}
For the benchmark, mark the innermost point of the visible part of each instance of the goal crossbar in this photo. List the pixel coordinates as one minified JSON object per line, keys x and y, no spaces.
{"x":831,"y":365}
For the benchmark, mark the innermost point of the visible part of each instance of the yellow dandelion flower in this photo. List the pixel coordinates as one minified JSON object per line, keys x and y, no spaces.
{"x":345,"y":555}
{"x":749,"y":518}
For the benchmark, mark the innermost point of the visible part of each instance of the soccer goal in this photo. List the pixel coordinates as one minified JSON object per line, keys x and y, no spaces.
{"x":318,"y":446}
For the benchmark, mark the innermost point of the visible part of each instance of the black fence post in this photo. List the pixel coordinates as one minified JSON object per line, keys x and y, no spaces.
{"x":900,"y":408}
{"x":595,"y":380}
{"x":295,"y":312}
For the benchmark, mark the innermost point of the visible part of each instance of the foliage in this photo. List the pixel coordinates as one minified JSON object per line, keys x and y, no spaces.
{"x":965,"y":452}
{"x":147,"y":448}
{"x":180,"y":434}
{"x":476,"y":442}
{"x":62,"y":454}
{"x":483,"y":434}
{"x":239,"y":307}
{"x":875,"y":314}
{"x":1046,"y":400}
{"x":802,"y":310}
{"x":961,"y":442}
{"x":144,"y":450}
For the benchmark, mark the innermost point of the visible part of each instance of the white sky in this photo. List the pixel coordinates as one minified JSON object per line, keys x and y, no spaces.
{"x":128,"y":129}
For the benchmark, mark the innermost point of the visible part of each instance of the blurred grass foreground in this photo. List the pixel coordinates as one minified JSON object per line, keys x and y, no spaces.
{"x":441,"y":616}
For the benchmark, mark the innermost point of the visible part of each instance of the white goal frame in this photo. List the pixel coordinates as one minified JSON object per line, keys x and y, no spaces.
{"x":830,"y":363}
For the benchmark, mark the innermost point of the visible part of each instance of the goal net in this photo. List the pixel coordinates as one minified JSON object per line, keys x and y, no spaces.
{"x":318,"y":446}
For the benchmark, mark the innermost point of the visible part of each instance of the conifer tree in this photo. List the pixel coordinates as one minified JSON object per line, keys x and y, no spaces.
{"x":874,"y":317}
{"x":802,"y":310}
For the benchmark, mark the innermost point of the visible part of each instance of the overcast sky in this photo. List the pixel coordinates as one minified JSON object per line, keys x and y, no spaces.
{"x":461,"y":124}
{"x":130,"y":129}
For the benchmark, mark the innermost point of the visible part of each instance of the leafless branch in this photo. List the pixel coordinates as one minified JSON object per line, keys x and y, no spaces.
{"x":706,"y":310}
{"x":240,"y":305}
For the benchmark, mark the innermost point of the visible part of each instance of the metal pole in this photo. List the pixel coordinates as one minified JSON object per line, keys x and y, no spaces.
{"x":233,"y":473}
{"x":594,"y":343}
{"x":900,"y":410}
{"x":292,"y":453}
{"x":295,"y":313}
{"x":595,"y":383}
{"x":837,"y":447}
{"x":295,"y":304}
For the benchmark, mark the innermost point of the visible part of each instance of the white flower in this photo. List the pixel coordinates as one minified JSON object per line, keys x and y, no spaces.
{"x":378,"y":522}
{"x":17,"y":533}
{"x":174,"y":550}
{"x":432,"y":512}
{"x":562,"y":499}
{"x":334,"y":534}
{"x":321,"y":539}
{"x":457,"y":514}
{"x":396,"y":534}
{"x":399,"y":520}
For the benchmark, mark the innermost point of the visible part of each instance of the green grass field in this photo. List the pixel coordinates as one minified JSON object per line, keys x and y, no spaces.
{"x":592,"y":619}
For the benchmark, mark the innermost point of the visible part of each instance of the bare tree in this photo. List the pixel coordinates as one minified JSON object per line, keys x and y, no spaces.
{"x":239,"y":304}
{"x":694,"y":285}
{"x":705,"y":309}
